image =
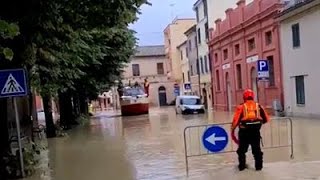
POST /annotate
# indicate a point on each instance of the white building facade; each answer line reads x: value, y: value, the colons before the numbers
x: 300, y: 27
x: 207, y: 11
x: 202, y: 31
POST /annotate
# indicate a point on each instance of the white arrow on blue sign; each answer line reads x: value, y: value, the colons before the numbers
x: 215, y: 139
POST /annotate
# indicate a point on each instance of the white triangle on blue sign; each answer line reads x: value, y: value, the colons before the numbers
x: 11, y: 86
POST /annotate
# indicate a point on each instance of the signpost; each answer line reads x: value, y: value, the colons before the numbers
x: 176, y: 90
x: 263, y: 70
x: 215, y: 139
x: 13, y: 83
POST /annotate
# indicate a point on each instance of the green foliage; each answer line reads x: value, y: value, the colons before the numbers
x: 74, y: 46
x: 31, y: 156
x: 7, y: 31
x: 84, y: 120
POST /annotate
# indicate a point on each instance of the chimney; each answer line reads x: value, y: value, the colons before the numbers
x: 211, y: 31
x: 218, y: 22
x: 228, y: 14
x: 228, y: 11
x: 241, y: 3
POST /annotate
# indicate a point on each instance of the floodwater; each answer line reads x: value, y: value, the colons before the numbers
x: 151, y: 147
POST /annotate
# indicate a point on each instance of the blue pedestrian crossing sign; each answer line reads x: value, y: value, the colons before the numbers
x: 13, y: 83
x: 215, y: 139
x: 187, y: 86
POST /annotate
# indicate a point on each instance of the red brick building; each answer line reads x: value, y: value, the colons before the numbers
x: 248, y: 33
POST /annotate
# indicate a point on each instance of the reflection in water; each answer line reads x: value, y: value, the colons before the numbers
x: 151, y: 147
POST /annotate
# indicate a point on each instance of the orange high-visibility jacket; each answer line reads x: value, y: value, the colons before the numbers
x: 249, y: 111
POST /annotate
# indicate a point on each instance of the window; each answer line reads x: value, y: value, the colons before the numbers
x: 268, y: 37
x: 191, y: 69
x: 207, y: 30
x: 190, y: 45
x: 225, y: 54
x: 199, y: 36
x: 206, y: 64
x: 198, y: 67
x: 181, y: 55
x: 187, y: 52
x: 239, y: 76
x: 189, y: 76
x: 201, y: 64
x: 183, y: 80
x: 160, y: 68
x: 135, y: 70
x: 216, y: 57
x: 271, y: 71
x: 195, y: 42
x: 197, y: 13
x: 251, y: 44
x: 218, y: 80
x: 237, y: 49
x: 300, y: 94
x: 205, y: 8
x: 296, y: 35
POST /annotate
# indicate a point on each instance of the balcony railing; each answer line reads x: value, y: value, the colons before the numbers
x: 292, y: 3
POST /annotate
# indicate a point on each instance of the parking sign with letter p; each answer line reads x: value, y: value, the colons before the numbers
x: 263, y: 70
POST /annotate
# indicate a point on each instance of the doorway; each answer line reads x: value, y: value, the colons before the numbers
x: 162, y: 96
x: 254, y: 85
x: 205, y: 100
x: 229, y: 94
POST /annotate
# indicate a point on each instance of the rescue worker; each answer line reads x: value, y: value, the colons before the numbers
x: 249, y: 117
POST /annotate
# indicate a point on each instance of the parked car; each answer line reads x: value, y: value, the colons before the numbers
x: 189, y: 104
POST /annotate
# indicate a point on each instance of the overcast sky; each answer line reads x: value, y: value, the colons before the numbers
x: 155, y: 18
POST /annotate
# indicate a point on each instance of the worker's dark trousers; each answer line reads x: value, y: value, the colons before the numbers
x: 250, y: 136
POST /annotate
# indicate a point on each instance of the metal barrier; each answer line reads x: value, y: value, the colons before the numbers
x: 277, y: 130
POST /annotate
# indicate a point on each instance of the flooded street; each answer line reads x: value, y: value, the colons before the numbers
x: 151, y: 147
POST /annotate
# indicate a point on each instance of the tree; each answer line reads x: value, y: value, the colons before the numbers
x: 71, y: 48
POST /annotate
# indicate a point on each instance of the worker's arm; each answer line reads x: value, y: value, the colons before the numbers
x: 237, y: 116
x: 264, y: 115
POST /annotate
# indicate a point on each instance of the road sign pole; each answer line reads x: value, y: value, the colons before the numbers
x: 19, y: 138
x: 257, y: 84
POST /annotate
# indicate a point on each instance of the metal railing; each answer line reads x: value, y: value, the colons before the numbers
x: 276, y: 134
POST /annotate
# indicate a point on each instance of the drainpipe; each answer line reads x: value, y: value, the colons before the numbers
x: 198, y: 67
x: 282, y: 100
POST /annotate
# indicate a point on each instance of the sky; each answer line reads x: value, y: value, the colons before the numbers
x: 155, y: 18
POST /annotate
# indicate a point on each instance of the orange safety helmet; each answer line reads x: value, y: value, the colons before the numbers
x: 248, y: 94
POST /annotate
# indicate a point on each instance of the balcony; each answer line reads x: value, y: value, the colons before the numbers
x: 292, y: 3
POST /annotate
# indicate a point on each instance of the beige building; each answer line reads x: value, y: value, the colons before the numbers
x: 299, y: 33
x: 149, y: 63
x: 174, y: 36
x: 184, y: 66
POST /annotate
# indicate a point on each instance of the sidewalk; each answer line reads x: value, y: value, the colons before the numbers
x: 272, y: 171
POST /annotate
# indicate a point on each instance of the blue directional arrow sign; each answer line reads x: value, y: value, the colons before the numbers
x: 13, y: 83
x: 215, y: 139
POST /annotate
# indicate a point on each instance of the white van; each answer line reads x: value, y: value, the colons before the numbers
x: 189, y: 104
